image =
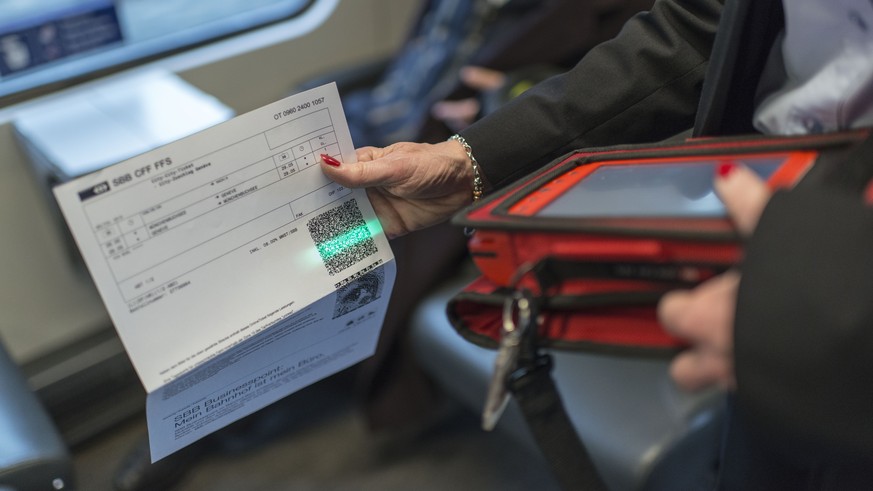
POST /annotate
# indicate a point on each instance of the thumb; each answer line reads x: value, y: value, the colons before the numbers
x: 743, y: 193
x: 370, y: 171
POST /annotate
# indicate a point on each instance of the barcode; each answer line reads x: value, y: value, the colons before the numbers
x: 341, y: 237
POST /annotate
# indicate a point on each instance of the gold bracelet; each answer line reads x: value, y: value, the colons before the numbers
x: 478, y: 184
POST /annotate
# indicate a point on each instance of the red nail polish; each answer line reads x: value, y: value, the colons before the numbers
x: 330, y: 160
x: 725, y: 168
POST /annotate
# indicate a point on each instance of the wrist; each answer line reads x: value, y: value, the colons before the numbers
x: 472, y: 167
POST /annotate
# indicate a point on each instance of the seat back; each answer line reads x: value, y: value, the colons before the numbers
x: 32, y: 454
x: 641, y: 432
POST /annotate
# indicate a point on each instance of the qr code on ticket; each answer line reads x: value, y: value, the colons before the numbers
x: 342, y: 237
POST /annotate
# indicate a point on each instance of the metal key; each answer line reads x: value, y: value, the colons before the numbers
x: 511, y: 335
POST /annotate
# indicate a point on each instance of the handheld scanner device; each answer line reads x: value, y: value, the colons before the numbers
x: 622, y: 208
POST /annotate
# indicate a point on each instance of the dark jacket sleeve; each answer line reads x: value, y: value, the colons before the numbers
x: 804, y: 325
x: 642, y: 86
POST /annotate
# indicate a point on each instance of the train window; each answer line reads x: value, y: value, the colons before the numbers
x: 46, y: 42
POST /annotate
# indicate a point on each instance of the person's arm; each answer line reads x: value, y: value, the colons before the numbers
x: 804, y: 321
x: 642, y: 86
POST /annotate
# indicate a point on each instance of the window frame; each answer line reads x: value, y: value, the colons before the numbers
x: 246, y: 35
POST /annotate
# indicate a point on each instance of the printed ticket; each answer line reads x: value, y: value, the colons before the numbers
x: 234, y: 271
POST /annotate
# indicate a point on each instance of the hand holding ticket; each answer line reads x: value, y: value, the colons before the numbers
x: 235, y: 272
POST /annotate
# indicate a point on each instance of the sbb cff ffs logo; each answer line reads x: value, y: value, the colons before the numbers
x: 95, y: 190
x: 145, y: 170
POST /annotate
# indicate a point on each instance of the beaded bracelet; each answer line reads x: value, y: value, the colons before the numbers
x: 478, y: 184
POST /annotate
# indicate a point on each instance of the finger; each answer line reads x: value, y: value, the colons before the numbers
x: 703, y: 315
x: 696, y: 369
x: 744, y: 195
x: 687, y: 371
x: 480, y: 78
x: 671, y: 306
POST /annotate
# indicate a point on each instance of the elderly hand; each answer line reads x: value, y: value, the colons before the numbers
x: 704, y: 316
x: 411, y: 185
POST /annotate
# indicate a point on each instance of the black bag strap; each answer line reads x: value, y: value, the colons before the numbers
x: 534, y: 390
x: 539, y: 400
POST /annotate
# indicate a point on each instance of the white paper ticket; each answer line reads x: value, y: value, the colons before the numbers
x: 234, y: 270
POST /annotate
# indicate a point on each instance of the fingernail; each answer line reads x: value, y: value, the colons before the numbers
x: 327, y: 159
x: 725, y: 168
